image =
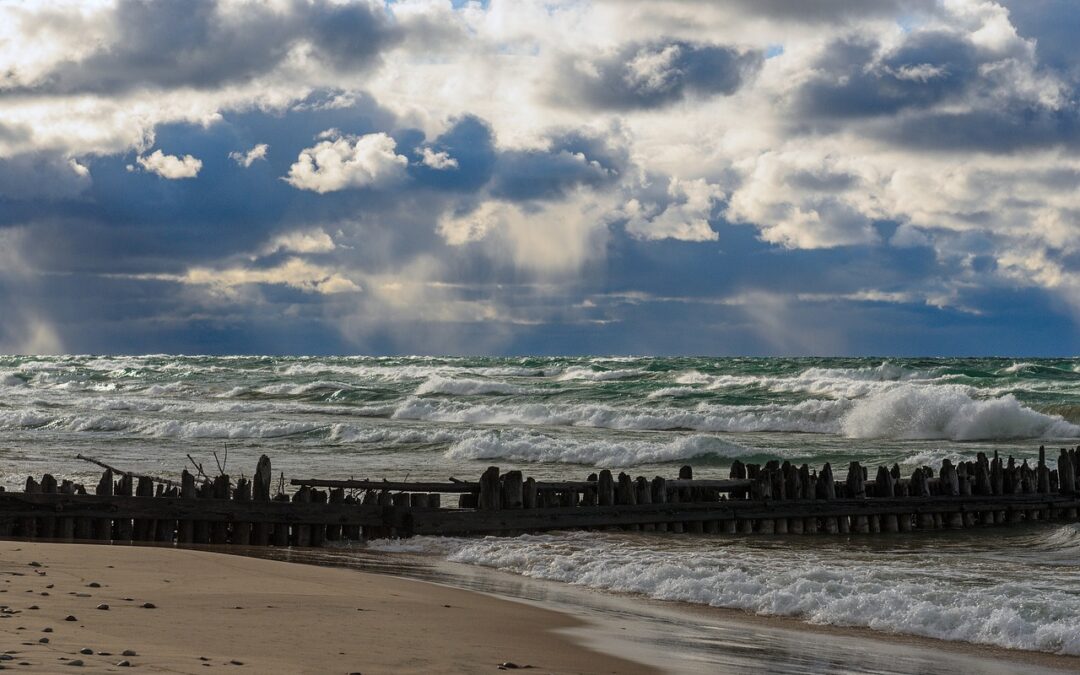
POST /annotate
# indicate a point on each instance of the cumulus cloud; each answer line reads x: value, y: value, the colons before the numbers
x: 246, y: 159
x: 440, y: 161
x: 368, y: 161
x: 682, y: 213
x: 170, y: 166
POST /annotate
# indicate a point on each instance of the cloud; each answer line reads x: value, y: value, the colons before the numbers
x: 246, y: 159
x: 440, y: 161
x: 294, y: 272
x: 200, y: 44
x: 654, y: 74
x: 367, y: 161
x: 310, y: 241
x: 170, y: 166
x: 683, y: 212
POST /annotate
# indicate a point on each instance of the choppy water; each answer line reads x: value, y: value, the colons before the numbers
x: 432, y: 418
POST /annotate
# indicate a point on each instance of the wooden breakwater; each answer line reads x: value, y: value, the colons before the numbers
x: 774, y: 498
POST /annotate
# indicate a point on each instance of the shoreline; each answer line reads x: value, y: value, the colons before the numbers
x: 552, y: 626
x: 612, y: 613
x: 241, y: 612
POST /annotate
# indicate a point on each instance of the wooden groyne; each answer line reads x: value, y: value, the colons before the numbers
x: 774, y: 498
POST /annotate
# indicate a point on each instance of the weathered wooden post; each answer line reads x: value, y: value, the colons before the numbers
x: 185, y: 529
x: 165, y: 528
x: 528, y: 493
x: 318, y: 530
x: 1066, y: 479
x: 260, y: 493
x: 625, y: 496
x: 826, y: 490
x: 659, y: 496
x: 884, y: 487
x: 605, y: 489
x: 125, y: 488
x: 643, y: 495
x: 337, y: 498
x: 241, y: 530
x: 513, y: 486
x: 46, y: 525
x: 490, y: 490
x: 103, y: 526
x: 950, y: 485
x: 856, y: 488
x: 68, y: 527
x: 28, y: 527
x: 302, y: 532
x: 143, y: 528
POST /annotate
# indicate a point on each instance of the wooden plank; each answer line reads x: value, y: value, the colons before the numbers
x: 724, y: 485
x: 19, y: 504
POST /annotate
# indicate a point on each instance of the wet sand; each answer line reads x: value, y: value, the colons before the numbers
x: 213, y: 612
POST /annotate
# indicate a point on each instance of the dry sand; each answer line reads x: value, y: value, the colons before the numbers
x: 214, y: 612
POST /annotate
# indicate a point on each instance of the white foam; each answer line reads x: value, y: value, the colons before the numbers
x: 437, y: 384
x: 985, y: 601
x: 949, y: 412
x: 807, y: 416
x: 533, y: 446
x: 590, y: 375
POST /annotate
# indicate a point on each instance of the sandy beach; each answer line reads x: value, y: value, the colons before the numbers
x: 212, y: 611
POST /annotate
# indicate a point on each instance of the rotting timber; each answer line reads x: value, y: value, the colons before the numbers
x: 774, y: 498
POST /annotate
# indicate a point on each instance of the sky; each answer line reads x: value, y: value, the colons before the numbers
x: 721, y: 177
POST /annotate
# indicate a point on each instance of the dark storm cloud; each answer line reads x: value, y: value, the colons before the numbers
x: 855, y: 81
x: 191, y: 43
x: 573, y: 159
x: 1054, y: 24
x: 654, y: 74
x: 830, y: 10
x: 40, y: 175
x: 470, y: 142
x: 1003, y: 130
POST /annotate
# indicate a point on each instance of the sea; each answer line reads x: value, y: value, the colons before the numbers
x: 425, y: 418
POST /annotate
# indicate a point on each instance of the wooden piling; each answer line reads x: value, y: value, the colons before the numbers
x: 490, y: 490
x: 260, y: 492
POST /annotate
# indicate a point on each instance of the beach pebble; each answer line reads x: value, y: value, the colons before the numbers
x: 49, y: 585
x: 128, y: 652
x: 148, y: 605
x: 74, y: 662
x: 6, y: 657
x: 124, y: 664
x: 93, y: 584
x: 44, y: 641
x: 33, y: 607
x: 129, y: 599
x: 86, y: 650
x: 236, y: 663
x: 44, y: 592
x: 102, y: 606
x: 82, y: 595
x: 70, y: 617
x: 46, y: 630
x: 35, y: 564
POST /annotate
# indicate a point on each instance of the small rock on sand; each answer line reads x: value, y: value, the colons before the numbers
x: 128, y: 652
x: 148, y: 605
x: 74, y: 662
x: 70, y: 617
x: 44, y: 641
x: 124, y: 664
x: 35, y: 563
x: 93, y: 584
x: 46, y: 630
x: 102, y: 606
x: 86, y: 650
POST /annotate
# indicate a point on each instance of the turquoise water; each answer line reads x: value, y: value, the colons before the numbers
x: 431, y: 418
